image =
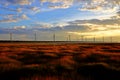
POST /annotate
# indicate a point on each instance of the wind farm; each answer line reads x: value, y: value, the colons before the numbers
x: 59, y: 60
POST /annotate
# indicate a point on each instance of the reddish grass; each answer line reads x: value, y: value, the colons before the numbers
x: 59, y: 61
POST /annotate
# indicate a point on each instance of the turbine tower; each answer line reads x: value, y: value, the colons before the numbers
x: 94, y: 39
x: 69, y: 37
x: 54, y: 37
x: 35, y: 35
x: 11, y: 36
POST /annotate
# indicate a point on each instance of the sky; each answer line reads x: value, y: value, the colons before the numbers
x: 88, y: 18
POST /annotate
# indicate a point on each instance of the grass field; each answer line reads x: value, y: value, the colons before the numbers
x: 59, y: 61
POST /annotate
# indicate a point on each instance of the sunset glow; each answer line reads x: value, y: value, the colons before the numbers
x: 23, y: 18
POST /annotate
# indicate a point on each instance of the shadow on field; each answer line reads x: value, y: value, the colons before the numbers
x: 98, y: 71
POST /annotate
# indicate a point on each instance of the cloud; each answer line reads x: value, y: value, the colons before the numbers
x: 63, y: 6
x: 57, y: 1
x: 19, y: 9
x: 20, y: 2
x: 62, y: 24
x: 41, y: 25
x: 37, y: 9
x: 19, y: 27
x: 10, y: 9
x: 99, y: 25
x: 90, y: 5
x: 23, y: 6
x: 16, y: 30
x: 57, y: 27
x: 32, y: 9
x: 56, y: 4
x: 98, y: 34
x: 52, y: 1
x: 118, y: 13
x: 13, y: 18
x: 8, y: 20
x: 24, y: 17
x: 114, y: 1
x: 117, y: 16
x: 97, y: 21
x: 80, y: 25
x: 93, y: 25
x: 100, y: 9
x: 104, y: 6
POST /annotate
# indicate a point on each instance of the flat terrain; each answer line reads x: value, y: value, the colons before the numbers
x: 59, y: 61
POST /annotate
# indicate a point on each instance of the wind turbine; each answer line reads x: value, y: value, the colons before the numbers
x: 11, y: 36
x: 54, y: 37
x: 82, y: 38
x: 103, y: 37
x: 10, y: 33
x: 94, y: 39
x: 35, y: 35
x: 69, y: 37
